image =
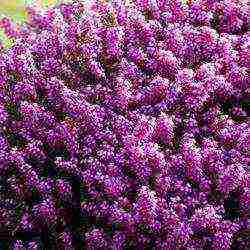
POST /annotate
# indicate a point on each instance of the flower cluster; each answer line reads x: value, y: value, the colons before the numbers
x: 125, y: 125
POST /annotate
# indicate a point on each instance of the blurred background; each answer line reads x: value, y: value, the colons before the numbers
x: 16, y: 10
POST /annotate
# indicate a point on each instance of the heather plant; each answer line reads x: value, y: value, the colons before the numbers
x: 124, y: 125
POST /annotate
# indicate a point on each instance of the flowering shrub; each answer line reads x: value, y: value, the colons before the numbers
x: 124, y: 126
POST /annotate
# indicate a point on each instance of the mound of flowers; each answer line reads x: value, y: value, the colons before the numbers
x: 125, y: 126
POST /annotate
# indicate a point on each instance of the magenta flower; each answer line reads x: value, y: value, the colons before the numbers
x: 124, y: 125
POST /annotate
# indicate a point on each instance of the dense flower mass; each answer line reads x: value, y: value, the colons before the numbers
x: 124, y: 125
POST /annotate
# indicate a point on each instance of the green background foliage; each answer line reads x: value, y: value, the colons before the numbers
x: 16, y: 10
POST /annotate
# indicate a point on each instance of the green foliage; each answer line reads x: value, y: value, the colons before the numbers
x: 16, y: 11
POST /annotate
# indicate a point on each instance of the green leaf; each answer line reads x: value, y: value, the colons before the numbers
x: 7, y: 42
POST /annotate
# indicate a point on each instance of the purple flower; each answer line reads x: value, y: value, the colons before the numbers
x: 123, y: 125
